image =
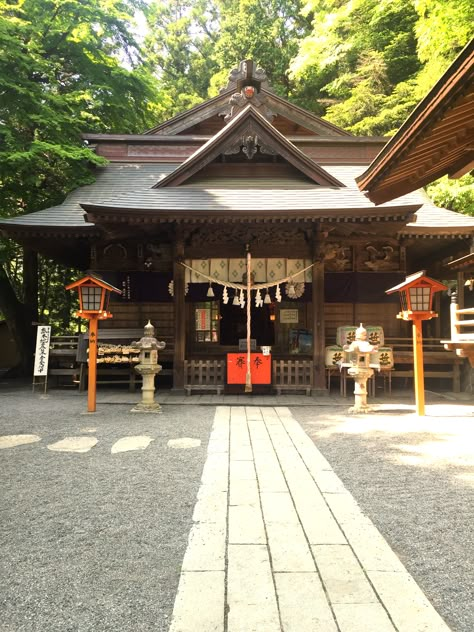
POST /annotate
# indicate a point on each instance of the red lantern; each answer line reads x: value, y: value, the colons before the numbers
x: 94, y: 295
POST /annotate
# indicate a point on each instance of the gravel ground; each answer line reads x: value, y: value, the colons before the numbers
x: 94, y: 541
x: 415, y: 479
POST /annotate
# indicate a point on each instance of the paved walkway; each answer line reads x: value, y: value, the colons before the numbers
x: 279, y: 544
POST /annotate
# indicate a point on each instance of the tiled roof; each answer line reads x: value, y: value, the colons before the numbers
x: 251, y: 199
x: 129, y: 186
x: 114, y: 179
x: 212, y: 195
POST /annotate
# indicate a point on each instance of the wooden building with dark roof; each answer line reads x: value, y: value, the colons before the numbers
x: 244, y: 171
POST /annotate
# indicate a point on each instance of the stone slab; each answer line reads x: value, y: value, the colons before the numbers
x: 251, y: 597
x: 288, y: 548
x: 206, y: 548
x: 199, y: 603
x: 408, y: 607
x: 367, y: 617
x: 303, y: 604
x: 342, y: 575
x: 246, y: 525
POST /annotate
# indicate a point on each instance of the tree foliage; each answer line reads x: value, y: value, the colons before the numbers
x: 192, y: 45
x: 62, y: 72
x: 66, y: 66
x: 369, y: 62
x: 457, y: 195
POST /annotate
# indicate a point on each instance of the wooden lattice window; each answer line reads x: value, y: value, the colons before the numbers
x: 206, y: 321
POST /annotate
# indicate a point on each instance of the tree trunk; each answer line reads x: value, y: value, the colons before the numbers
x: 18, y: 319
x: 30, y: 282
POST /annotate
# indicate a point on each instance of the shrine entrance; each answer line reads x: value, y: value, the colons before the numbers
x: 233, y: 325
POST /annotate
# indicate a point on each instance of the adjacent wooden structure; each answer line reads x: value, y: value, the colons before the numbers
x: 436, y: 139
x: 246, y: 167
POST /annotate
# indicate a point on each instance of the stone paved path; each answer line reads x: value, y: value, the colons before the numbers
x: 279, y: 544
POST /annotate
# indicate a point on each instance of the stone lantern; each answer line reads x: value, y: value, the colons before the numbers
x: 359, y: 356
x: 148, y: 367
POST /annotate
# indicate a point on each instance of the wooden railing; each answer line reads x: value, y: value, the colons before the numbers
x: 457, y: 323
x: 293, y: 375
x: 204, y: 375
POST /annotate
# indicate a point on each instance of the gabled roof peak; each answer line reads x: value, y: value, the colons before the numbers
x: 249, y: 133
x: 248, y: 83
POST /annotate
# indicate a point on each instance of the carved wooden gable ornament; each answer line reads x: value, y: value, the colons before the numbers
x: 250, y: 133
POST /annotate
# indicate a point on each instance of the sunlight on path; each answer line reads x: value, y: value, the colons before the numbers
x: 442, y: 438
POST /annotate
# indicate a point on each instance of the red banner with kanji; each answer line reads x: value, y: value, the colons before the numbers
x: 260, y: 368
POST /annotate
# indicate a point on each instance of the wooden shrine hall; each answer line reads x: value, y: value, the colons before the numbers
x: 246, y: 178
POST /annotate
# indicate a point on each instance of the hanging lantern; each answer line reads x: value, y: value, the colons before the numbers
x: 210, y: 291
x: 225, y: 295
x: 267, y: 299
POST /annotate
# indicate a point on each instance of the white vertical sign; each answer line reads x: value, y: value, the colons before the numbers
x: 43, y: 337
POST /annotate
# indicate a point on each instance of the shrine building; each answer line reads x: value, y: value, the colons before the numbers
x: 247, y: 178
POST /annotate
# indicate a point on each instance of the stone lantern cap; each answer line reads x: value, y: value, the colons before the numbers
x: 149, y: 341
x: 361, y: 344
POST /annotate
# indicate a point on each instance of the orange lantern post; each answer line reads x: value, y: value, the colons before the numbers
x: 416, y: 298
x: 94, y: 297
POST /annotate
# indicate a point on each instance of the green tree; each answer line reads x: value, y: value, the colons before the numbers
x: 192, y: 45
x: 179, y: 49
x: 356, y: 55
x: 443, y: 28
x: 456, y: 195
x: 66, y: 66
x: 266, y: 31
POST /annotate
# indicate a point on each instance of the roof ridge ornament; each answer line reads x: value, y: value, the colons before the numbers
x: 247, y: 73
x: 247, y: 80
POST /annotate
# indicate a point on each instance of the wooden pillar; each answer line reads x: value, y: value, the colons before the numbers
x: 92, y: 370
x: 179, y: 314
x: 319, y: 329
x: 437, y: 309
x: 418, y: 367
x: 461, y: 289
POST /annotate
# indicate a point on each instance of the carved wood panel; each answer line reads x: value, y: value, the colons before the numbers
x: 378, y: 256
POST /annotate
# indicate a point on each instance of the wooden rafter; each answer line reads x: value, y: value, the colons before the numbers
x: 436, y: 139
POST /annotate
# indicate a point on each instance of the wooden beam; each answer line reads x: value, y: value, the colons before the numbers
x: 319, y: 328
x: 179, y: 352
x: 464, y: 165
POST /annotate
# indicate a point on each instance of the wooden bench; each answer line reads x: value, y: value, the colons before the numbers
x: 437, y: 363
x: 204, y: 375
x: 293, y: 375
x: 120, y: 374
x: 63, y: 358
